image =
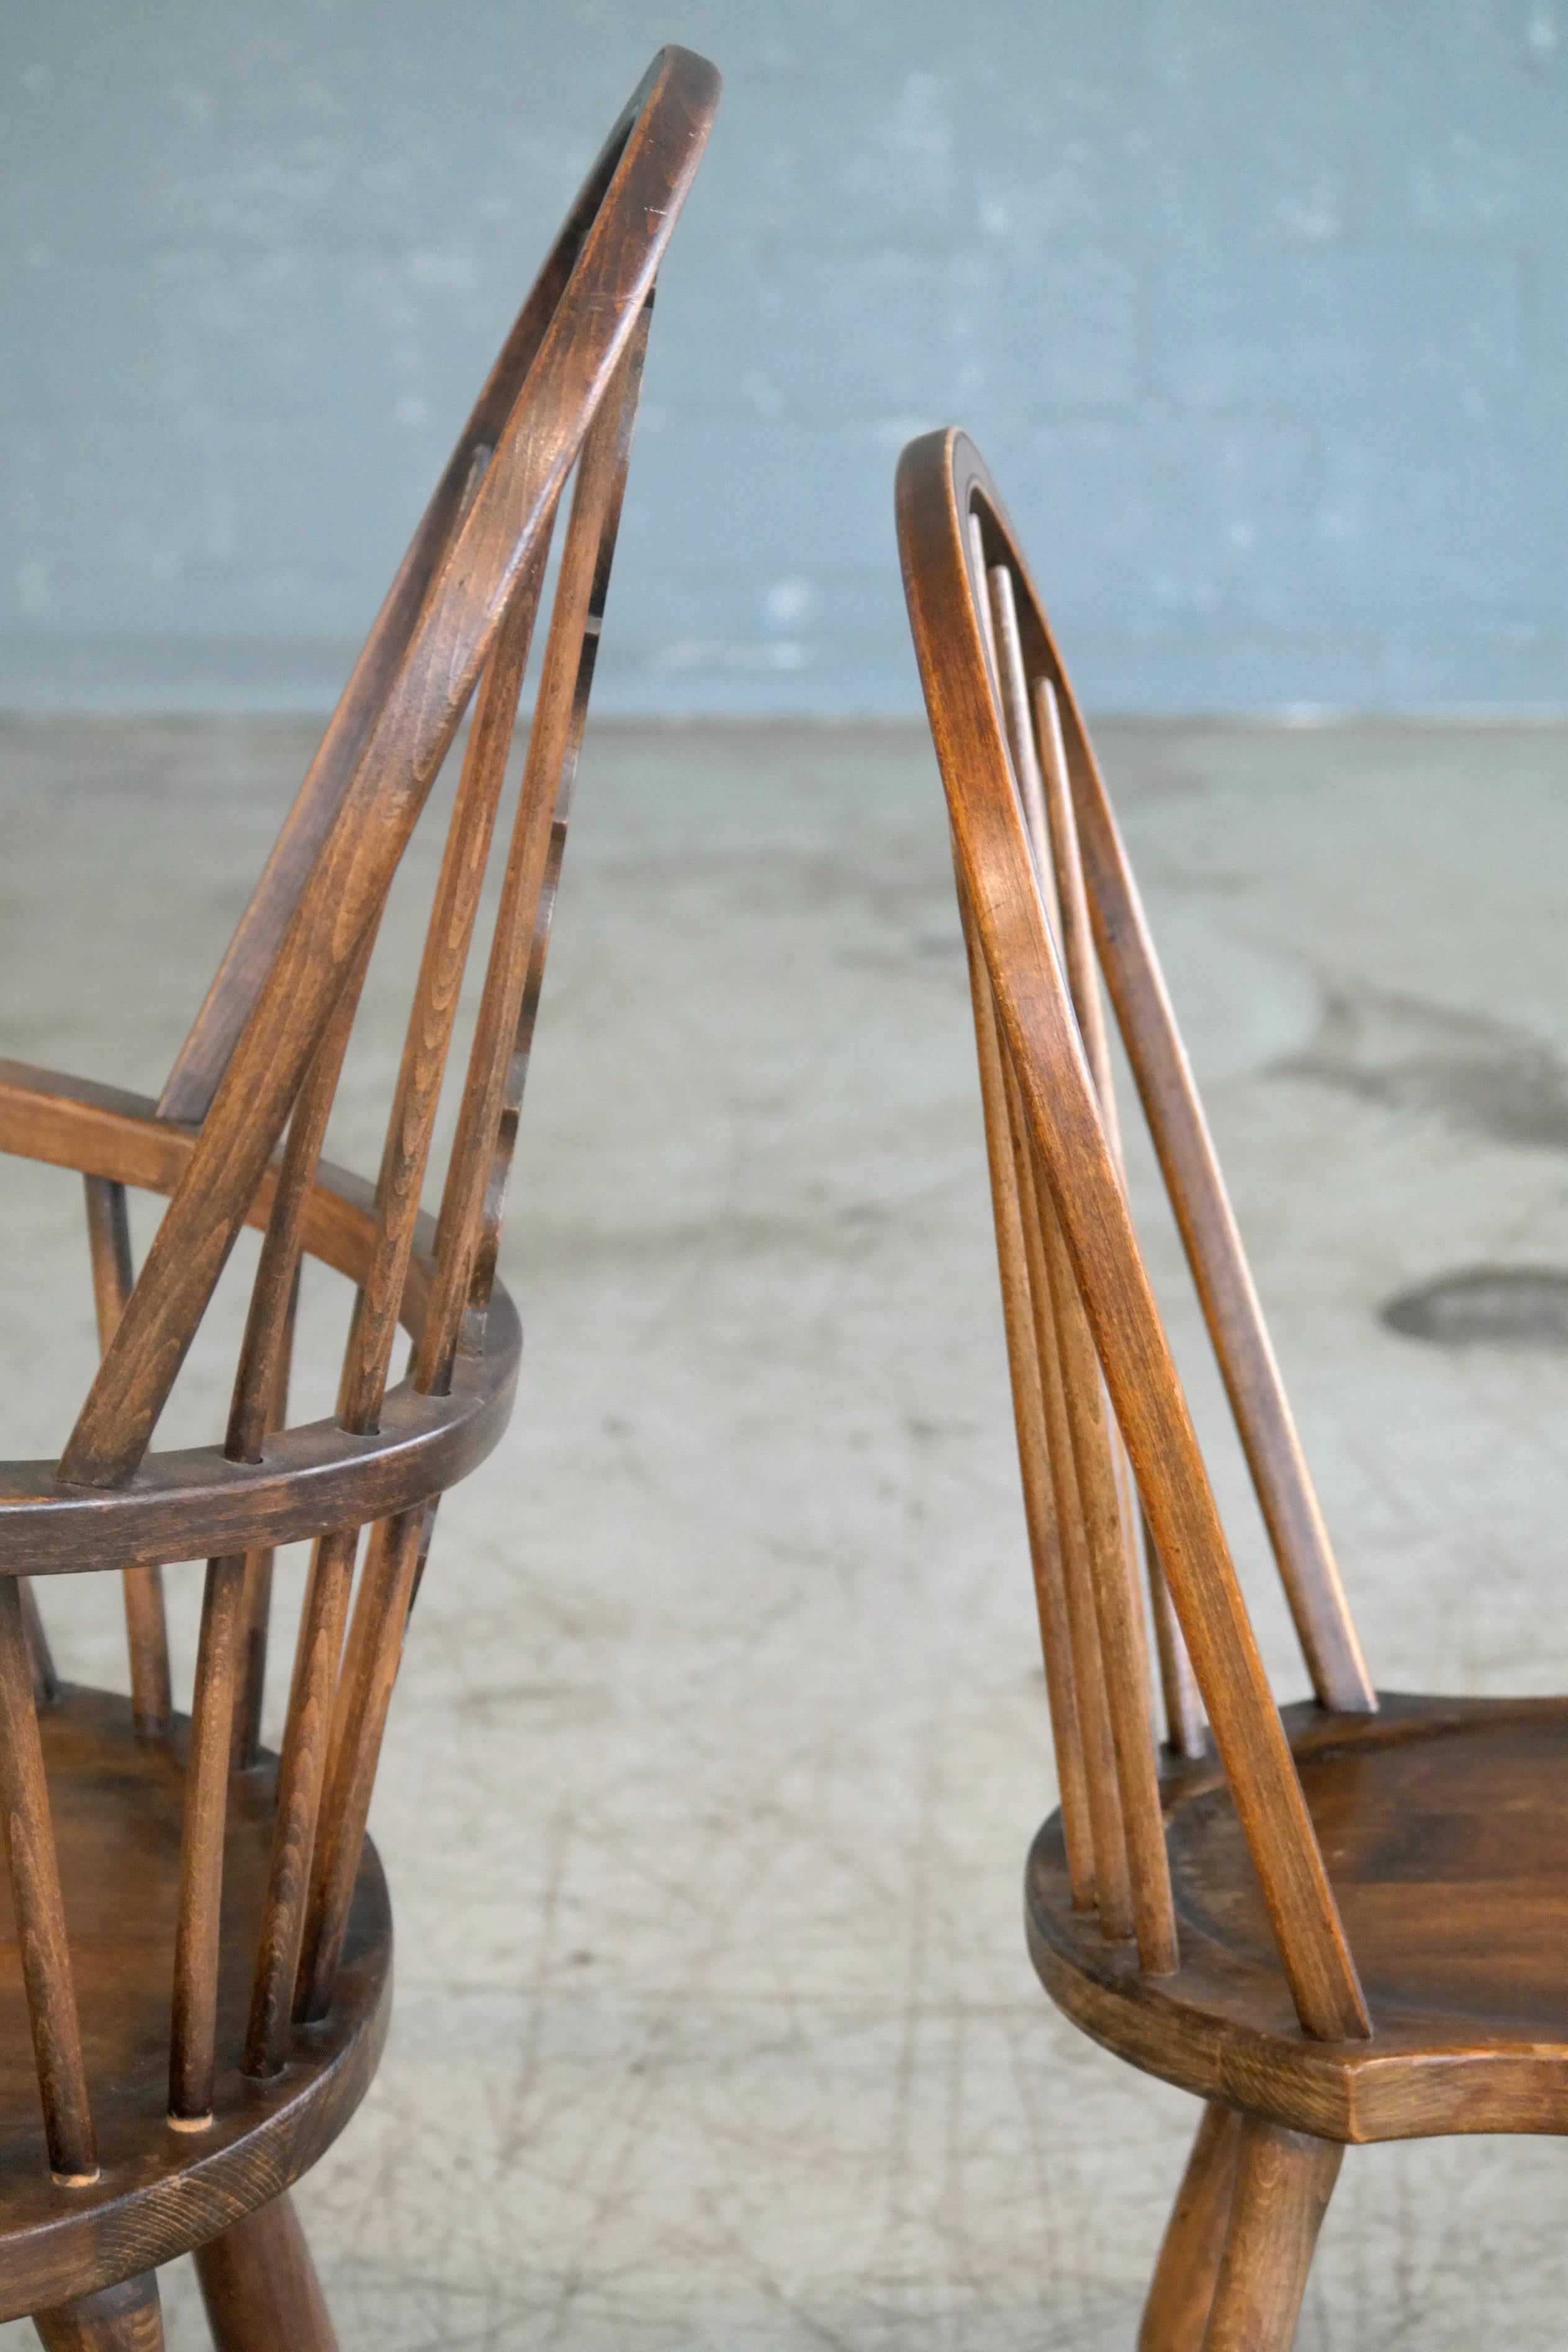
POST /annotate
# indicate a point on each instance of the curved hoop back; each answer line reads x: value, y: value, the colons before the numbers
x: 476, y: 561
x: 1046, y: 894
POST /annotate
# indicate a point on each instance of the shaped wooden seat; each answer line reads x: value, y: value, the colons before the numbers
x: 1344, y: 1923
x: 117, y: 1809
x: 1438, y: 1818
x: 195, y: 1945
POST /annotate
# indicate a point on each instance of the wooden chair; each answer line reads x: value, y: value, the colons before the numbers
x: 194, y: 1960
x: 1339, y: 1923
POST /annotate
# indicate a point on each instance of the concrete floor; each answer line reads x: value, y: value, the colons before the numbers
x: 721, y: 1735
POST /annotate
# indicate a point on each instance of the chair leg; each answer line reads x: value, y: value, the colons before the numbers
x: 1283, y: 2183
x: 260, y: 2287
x: 1177, y: 2310
x: 124, y: 2318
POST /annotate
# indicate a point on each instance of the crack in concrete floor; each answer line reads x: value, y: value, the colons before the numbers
x: 721, y: 1737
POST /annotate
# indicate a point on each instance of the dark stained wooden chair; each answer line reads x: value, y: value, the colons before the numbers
x: 1341, y: 1922
x: 196, y: 1948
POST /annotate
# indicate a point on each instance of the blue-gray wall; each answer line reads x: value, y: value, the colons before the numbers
x: 1259, y: 312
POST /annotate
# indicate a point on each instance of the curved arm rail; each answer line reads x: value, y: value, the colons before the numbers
x: 195, y: 1503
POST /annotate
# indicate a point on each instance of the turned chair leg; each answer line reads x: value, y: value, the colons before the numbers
x: 1181, y: 2290
x: 260, y: 2287
x: 1283, y: 2183
x: 124, y: 2318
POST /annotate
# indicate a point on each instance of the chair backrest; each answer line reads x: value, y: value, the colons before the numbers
x: 1048, y: 906
x: 238, y: 1137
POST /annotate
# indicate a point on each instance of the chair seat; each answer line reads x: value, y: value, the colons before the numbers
x: 116, y: 1803
x: 1444, y: 1826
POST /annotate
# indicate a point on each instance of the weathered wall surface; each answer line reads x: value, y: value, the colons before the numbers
x: 1261, y: 315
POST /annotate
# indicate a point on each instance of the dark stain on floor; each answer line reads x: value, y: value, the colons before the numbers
x: 1485, y: 1306
x: 1481, y: 1076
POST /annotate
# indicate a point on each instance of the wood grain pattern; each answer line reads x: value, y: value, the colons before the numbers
x: 260, y: 2288
x: 1281, y: 2191
x: 1181, y: 2293
x: 1472, y: 2032
x: 124, y: 2318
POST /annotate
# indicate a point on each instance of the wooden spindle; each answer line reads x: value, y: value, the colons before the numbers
x: 230, y: 1607
x: 1061, y: 881
x: 146, y: 1615
x: 1103, y: 1477
x: 1001, y: 616
x: 1113, y: 1892
x: 448, y: 937
x: 605, y: 482
x: 1046, y: 1053
x: 261, y: 1377
x: 940, y: 487
x: 40, y: 1909
x: 1183, y: 1711
x: 1029, y: 1415
x: 1186, y: 1730
x: 250, y: 1696
x: 1034, y: 742
x: 147, y: 1640
x: 108, y: 1247
x: 301, y: 1775
x: 1210, y: 1237
x: 40, y: 1657
x: 1117, y: 1604
x: 305, y: 1762
x: 981, y: 593
x: 192, y: 2029
x: 475, y: 1175
x: 370, y: 1670
x: 257, y: 1606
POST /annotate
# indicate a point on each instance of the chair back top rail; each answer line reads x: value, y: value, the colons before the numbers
x: 943, y: 485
